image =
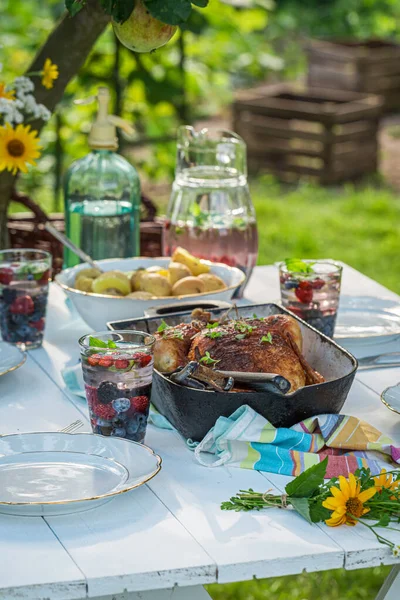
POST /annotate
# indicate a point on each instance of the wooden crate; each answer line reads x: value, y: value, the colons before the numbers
x: 294, y: 131
x: 371, y: 66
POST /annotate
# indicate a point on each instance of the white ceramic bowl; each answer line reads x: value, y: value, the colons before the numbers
x: 98, y: 309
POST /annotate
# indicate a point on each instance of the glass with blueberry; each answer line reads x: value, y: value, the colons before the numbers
x: 117, y: 371
x: 311, y: 290
x: 24, y: 285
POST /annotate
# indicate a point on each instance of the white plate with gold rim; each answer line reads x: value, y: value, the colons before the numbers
x: 59, y: 473
x: 11, y: 358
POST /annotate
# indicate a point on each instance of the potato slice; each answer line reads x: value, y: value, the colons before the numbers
x: 188, y: 285
x: 195, y: 265
x: 135, y: 279
x: 90, y: 273
x: 212, y: 282
x: 178, y: 271
x: 111, y: 282
x: 84, y: 284
x: 155, y: 284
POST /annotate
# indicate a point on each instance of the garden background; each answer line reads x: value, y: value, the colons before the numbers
x: 232, y: 44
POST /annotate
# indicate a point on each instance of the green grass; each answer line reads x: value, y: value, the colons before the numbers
x: 359, y: 225
x: 329, y: 585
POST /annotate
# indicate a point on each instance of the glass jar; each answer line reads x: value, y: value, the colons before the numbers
x: 210, y: 212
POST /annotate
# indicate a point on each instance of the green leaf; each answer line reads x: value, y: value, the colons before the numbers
x: 120, y: 9
x: 302, y: 506
x: 240, y: 336
x: 178, y: 334
x: 215, y: 334
x: 305, y: 484
x: 172, y: 12
x: 318, y: 512
x: 384, y: 520
x: 163, y: 326
x: 296, y: 265
x: 74, y: 6
x: 266, y: 339
x: 200, y: 3
x: 212, y: 325
x: 207, y: 360
x: 111, y: 344
x: 97, y: 343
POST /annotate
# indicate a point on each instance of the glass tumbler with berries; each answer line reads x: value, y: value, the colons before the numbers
x: 311, y: 290
x: 24, y: 285
x: 117, y: 371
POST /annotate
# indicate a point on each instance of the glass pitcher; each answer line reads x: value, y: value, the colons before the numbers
x: 210, y: 212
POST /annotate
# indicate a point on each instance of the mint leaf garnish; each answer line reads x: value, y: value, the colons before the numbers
x: 207, y: 360
x: 163, y: 326
x: 240, y: 336
x: 212, y: 325
x: 178, y: 335
x: 296, y: 265
x: 266, y: 339
x: 97, y: 343
x: 111, y: 344
x: 215, y: 334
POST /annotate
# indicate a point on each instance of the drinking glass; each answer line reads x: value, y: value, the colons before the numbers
x: 313, y: 292
x: 210, y: 212
x: 117, y: 371
x: 24, y: 285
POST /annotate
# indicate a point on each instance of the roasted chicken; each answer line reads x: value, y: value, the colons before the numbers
x: 269, y: 345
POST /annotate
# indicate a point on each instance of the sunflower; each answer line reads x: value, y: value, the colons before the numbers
x: 49, y: 73
x: 8, y: 95
x: 347, y: 502
x: 18, y: 148
x: 386, y: 481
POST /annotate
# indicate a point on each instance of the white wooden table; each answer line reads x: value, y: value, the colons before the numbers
x: 160, y: 539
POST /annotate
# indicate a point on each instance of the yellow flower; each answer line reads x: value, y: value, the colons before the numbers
x: 9, y: 95
x: 386, y: 481
x: 347, y: 502
x: 18, y: 148
x: 49, y: 73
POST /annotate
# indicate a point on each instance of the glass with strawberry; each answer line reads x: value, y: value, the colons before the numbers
x: 117, y: 371
x: 24, y: 285
x: 311, y: 290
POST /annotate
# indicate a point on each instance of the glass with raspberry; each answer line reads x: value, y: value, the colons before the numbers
x: 24, y: 284
x: 117, y: 371
x: 311, y: 290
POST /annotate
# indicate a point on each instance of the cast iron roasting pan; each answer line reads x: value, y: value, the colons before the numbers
x: 193, y: 412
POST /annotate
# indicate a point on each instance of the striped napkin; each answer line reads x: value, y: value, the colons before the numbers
x: 249, y: 441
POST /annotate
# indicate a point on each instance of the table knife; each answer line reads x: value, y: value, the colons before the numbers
x: 379, y: 361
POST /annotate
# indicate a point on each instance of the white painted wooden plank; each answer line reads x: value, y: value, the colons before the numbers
x: 34, y: 565
x: 244, y: 545
x: 30, y: 401
x: 133, y: 544
x: 176, y: 593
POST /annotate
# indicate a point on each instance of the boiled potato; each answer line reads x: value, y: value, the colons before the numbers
x: 212, y: 282
x: 90, y: 273
x: 188, y: 285
x: 135, y: 279
x: 178, y: 271
x: 84, y: 284
x: 195, y: 265
x: 155, y: 284
x: 111, y: 283
x: 154, y: 269
x: 140, y: 295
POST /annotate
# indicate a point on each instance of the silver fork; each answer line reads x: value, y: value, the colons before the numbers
x: 72, y: 427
